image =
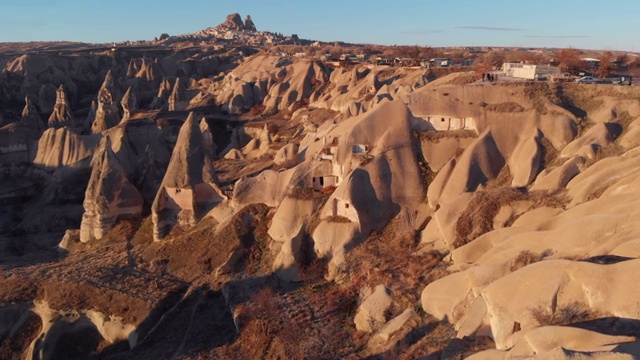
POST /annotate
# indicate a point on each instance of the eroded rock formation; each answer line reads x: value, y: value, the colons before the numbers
x: 189, y: 187
x: 62, y: 115
x: 30, y: 117
x: 129, y: 104
x: 109, y: 195
x: 107, y: 113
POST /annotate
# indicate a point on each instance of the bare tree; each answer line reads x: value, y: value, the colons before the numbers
x: 606, y: 66
x: 623, y: 60
x: 488, y: 61
x: 570, y: 60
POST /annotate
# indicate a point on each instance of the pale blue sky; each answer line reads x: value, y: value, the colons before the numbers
x: 594, y: 24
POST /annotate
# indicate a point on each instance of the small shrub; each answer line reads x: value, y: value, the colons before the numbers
x: 338, y: 219
x: 436, y: 136
x: 569, y: 314
x: 328, y: 190
x: 505, y: 107
x: 527, y: 257
x: 263, y: 304
x: 305, y: 193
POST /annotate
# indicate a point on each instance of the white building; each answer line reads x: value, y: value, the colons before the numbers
x: 531, y: 72
x: 591, y: 62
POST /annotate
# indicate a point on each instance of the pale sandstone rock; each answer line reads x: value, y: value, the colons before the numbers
x: 558, y: 177
x: 107, y: 114
x: 526, y: 161
x: 62, y: 147
x: 287, y: 153
x: 371, y: 312
x: 70, y: 237
x: 406, y: 320
x: 598, y: 136
x: 288, y: 227
x: 177, y: 97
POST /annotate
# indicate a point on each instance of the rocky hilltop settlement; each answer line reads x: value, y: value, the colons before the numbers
x: 235, y: 30
x: 234, y: 203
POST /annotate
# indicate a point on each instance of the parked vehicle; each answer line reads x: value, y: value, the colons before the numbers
x: 624, y: 80
x: 559, y: 78
x: 587, y: 80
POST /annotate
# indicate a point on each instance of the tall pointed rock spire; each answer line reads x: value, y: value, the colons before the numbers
x: 109, y: 195
x: 61, y: 115
x: 30, y: 117
x: 129, y: 104
x: 189, y: 186
x: 107, y: 115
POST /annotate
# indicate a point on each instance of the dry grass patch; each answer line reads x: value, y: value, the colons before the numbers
x: 540, y: 94
x: 527, y: 257
x: 505, y: 107
x: 306, y: 193
x: 477, y: 218
x: 390, y: 257
x: 338, y: 219
x: 436, y: 136
x: 549, y: 153
x: 589, y: 97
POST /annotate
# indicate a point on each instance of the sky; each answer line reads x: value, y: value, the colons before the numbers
x: 585, y: 24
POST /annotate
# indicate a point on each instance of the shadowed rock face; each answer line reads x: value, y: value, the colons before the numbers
x: 164, y: 91
x: 30, y: 117
x: 58, y: 148
x: 233, y: 22
x: 249, y: 25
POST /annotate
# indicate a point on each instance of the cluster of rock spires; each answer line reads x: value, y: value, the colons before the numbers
x: 514, y: 197
x: 234, y: 22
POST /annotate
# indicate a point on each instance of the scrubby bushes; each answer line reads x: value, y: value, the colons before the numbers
x: 477, y: 219
x: 527, y: 257
x: 565, y: 315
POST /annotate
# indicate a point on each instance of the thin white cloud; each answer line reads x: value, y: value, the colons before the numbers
x: 489, y: 28
x: 422, y: 31
x: 558, y: 36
